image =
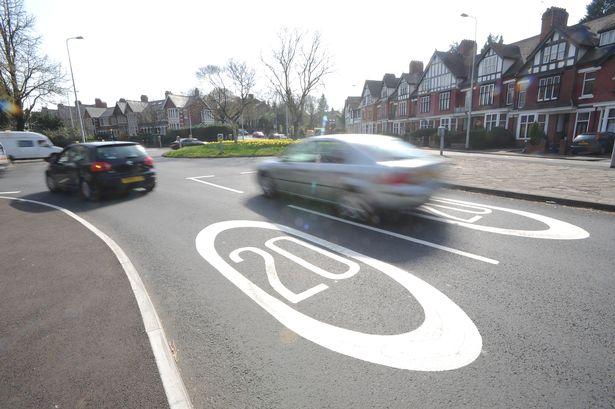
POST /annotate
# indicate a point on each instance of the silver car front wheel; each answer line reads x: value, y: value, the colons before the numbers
x: 267, y: 185
x: 353, y: 206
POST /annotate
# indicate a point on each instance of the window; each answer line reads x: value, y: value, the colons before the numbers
x: 331, y: 152
x: 301, y: 152
x: 25, y: 144
x: 582, y: 123
x: 556, y: 53
x: 548, y: 88
x: 173, y: 113
x: 426, y: 123
x: 589, y: 80
x: 486, y: 94
x: 491, y: 121
x: 402, y: 108
x: 610, y: 121
x: 607, y: 37
x: 524, y: 125
x: 404, y: 89
x: 425, y: 104
x: 510, y: 93
x: 445, y: 101
x: 449, y: 123
x: 396, y: 128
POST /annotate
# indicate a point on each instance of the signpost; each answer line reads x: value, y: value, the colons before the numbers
x: 441, y: 132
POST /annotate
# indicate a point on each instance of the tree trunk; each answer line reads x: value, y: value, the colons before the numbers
x: 19, y: 118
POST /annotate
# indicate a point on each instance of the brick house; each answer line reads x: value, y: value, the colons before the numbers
x: 183, y: 111
x: 561, y: 78
x: 352, y: 115
x: 369, y: 97
x: 400, y: 102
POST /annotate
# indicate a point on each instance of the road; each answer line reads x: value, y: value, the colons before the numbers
x: 477, y: 301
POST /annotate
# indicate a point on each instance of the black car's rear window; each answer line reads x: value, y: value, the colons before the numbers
x: 119, y: 152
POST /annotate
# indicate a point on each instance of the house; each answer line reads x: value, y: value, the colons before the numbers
x: 184, y: 111
x: 561, y: 78
x: 401, y: 108
x: 352, y: 115
x: 153, y: 118
x: 91, y: 119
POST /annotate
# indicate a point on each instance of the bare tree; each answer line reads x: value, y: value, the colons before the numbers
x: 295, y: 68
x: 26, y: 76
x: 231, y: 89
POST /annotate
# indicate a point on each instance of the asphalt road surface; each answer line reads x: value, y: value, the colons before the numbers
x: 476, y: 301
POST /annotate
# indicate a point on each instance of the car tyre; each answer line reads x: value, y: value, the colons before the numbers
x: 352, y: 205
x: 150, y: 187
x: 267, y: 185
x: 51, y: 184
x: 89, y: 192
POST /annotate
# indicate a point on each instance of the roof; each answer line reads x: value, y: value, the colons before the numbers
x: 108, y: 112
x: 179, y: 101
x: 94, y: 112
x: 600, y: 24
x: 374, y: 86
x: 137, y: 106
x: 506, y: 50
x: 411, y: 78
x: 597, y: 55
x: 390, y: 80
x: 122, y: 106
x: 454, y: 62
x: 352, y: 102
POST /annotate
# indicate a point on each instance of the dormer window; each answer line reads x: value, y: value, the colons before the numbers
x: 403, y: 90
x: 556, y: 53
x: 608, y: 37
x: 490, y: 67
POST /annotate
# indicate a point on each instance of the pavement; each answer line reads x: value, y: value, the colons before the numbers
x: 71, y: 335
x: 574, y: 183
x: 497, y: 302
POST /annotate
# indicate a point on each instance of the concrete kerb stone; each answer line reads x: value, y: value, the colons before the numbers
x: 609, y: 207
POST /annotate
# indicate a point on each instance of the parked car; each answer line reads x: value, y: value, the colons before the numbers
x: 593, y: 142
x: 258, y: 134
x: 27, y: 145
x: 4, y: 160
x: 186, y: 142
x: 361, y: 174
x: 99, y: 167
x: 278, y: 136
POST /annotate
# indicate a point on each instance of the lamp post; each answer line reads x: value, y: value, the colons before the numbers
x: 471, y: 80
x: 70, y: 64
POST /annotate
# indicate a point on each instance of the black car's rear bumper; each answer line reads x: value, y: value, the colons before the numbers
x: 119, y: 182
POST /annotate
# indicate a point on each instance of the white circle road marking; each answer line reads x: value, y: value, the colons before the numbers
x: 557, y: 229
x: 447, y: 339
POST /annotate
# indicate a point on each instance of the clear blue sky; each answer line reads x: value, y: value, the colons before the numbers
x: 135, y: 47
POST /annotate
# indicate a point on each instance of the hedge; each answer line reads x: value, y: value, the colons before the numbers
x: 205, y: 133
x: 479, y: 138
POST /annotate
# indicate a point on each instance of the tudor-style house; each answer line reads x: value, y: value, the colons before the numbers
x: 562, y: 78
x: 401, y: 108
x: 352, y: 115
x: 185, y: 110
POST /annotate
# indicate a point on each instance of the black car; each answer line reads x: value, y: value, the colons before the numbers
x: 98, y: 167
x: 593, y: 142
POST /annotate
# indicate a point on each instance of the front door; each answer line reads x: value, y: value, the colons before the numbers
x: 65, y: 170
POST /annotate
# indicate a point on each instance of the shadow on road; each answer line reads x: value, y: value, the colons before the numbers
x: 366, y: 241
x: 72, y: 201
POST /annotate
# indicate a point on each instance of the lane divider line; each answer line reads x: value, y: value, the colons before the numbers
x: 10, y: 193
x: 230, y: 189
x: 401, y: 236
x: 173, y: 385
x: 248, y: 172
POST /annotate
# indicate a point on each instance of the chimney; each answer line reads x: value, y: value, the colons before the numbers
x: 553, y: 17
x: 99, y: 104
x: 467, y: 47
x: 144, y: 98
x: 196, y: 92
x: 167, y: 93
x: 416, y: 67
x: 122, y: 99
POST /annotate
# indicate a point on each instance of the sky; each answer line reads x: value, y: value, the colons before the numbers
x: 134, y: 47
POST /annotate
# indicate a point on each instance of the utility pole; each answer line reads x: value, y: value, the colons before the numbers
x: 471, y: 80
x: 74, y: 87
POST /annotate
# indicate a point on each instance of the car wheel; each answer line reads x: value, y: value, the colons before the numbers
x: 51, y: 184
x: 267, y: 185
x: 150, y: 187
x: 89, y: 192
x: 353, y: 206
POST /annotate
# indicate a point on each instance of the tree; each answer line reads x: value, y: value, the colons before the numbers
x: 453, y: 47
x: 310, y: 109
x: 231, y: 89
x: 598, y: 8
x: 42, y: 122
x: 296, y: 67
x: 26, y: 76
x: 322, y: 108
x: 492, y: 39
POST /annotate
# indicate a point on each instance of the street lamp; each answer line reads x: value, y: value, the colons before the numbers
x: 471, y: 80
x: 75, y: 88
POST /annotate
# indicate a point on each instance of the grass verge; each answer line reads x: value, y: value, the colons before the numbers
x: 229, y: 149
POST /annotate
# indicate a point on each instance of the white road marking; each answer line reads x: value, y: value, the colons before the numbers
x: 197, y: 179
x: 430, y: 209
x: 172, y: 382
x: 248, y: 172
x: 446, y: 340
x: 10, y: 193
x: 557, y: 229
x: 201, y: 177
x: 401, y: 236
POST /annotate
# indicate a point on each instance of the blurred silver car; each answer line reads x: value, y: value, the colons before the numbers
x: 360, y: 174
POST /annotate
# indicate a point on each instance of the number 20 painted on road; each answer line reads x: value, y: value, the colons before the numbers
x: 447, y: 339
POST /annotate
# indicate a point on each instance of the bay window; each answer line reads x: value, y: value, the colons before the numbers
x: 445, y: 101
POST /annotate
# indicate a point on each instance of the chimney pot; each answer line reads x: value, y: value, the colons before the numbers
x: 416, y: 67
x: 467, y: 47
x: 144, y: 98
